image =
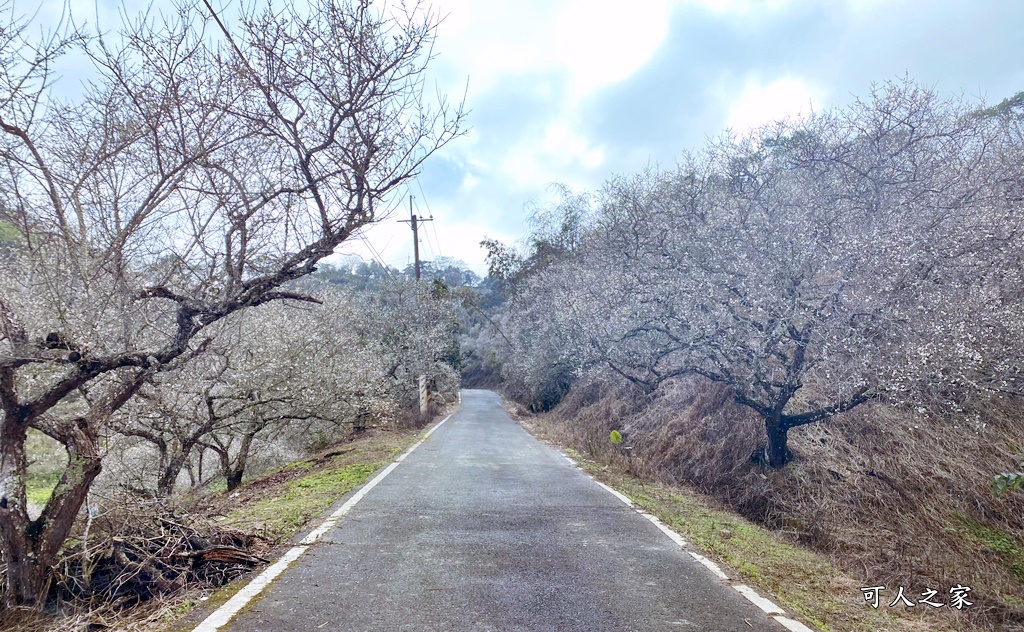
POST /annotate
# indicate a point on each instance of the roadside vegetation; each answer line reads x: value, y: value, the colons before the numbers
x: 250, y: 523
x: 800, y: 580
x: 168, y: 188
x: 217, y: 461
x: 817, y: 325
x: 278, y: 504
x: 808, y: 538
x: 184, y: 501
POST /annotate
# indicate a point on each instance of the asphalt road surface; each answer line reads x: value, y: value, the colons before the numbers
x: 485, y: 528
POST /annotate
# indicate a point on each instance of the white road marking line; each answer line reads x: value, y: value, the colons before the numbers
x: 790, y: 624
x: 431, y: 431
x: 615, y: 493
x: 223, y: 615
x: 758, y: 600
x: 678, y: 539
x: 764, y: 604
x: 708, y: 564
x: 333, y: 519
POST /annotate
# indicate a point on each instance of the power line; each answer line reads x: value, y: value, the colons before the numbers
x: 376, y: 255
x: 433, y: 227
x: 387, y: 243
x: 423, y: 196
x: 430, y: 246
x: 437, y: 240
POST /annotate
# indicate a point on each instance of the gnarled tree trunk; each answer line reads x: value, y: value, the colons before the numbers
x: 31, y: 546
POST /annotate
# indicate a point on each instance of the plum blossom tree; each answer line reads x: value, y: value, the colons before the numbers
x: 412, y: 328
x: 309, y: 369
x: 527, y: 339
x: 202, y: 168
x: 811, y: 266
x: 273, y: 369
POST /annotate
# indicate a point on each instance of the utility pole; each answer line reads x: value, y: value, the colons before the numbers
x: 415, y: 235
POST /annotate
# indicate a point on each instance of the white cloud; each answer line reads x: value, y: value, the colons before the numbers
x: 521, y: 165
x: 762, y: 103
x: 559, y: 154
x: 567, y: 147
x: 743, y: 7
x: 469, y: 182
x: 603, y: 43
x: 592, y: 43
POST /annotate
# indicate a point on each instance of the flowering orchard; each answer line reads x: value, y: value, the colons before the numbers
x: 206, y: 164
x: 285, y: 372
x: 873, y: 252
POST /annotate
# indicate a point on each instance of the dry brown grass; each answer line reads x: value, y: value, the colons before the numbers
x: 895, y: 497
x: 140, y: 619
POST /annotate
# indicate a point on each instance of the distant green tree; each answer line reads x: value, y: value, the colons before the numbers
x: 556, y: 232
x: 453, y: 272
x: 535, y: 358
x: 356, y: 275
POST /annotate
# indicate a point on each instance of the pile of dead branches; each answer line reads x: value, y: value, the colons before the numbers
x: 138, y: 553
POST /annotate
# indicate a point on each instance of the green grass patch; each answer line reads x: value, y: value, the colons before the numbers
x: 282, y: 514
x: 800, y: 580
x: 278, y: 504
x: 303, y: 466
x: 47, y: 460
x: 39, y: 486
x: 994, y: 542
x: 9, y: 233
x: 179, y: 610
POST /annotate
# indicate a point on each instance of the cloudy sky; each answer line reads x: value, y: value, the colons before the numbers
x: 575, y: 91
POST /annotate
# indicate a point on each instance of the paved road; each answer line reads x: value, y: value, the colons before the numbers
x: 485, y: 528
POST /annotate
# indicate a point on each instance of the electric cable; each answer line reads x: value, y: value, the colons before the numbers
x: 433, y: 226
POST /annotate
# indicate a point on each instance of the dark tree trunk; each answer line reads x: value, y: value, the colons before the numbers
x: 174, y: 462
x: 778, y: 434
x: 31, y: 546
x: 233, y: 478
x: 22, y: 589
x: 169, y: 475
x: 225, y: 460
x: 233, y: 473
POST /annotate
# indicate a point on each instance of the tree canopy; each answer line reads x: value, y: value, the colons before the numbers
x: 872, y: 252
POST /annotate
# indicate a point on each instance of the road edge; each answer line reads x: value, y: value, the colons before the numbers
x: 768, y: 606
x: 255, y: 587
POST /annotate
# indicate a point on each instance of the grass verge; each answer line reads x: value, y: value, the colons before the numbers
x: 801, y: 581
x: 280, y: 515
x: 994, y: 542
x: 279, y: 504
